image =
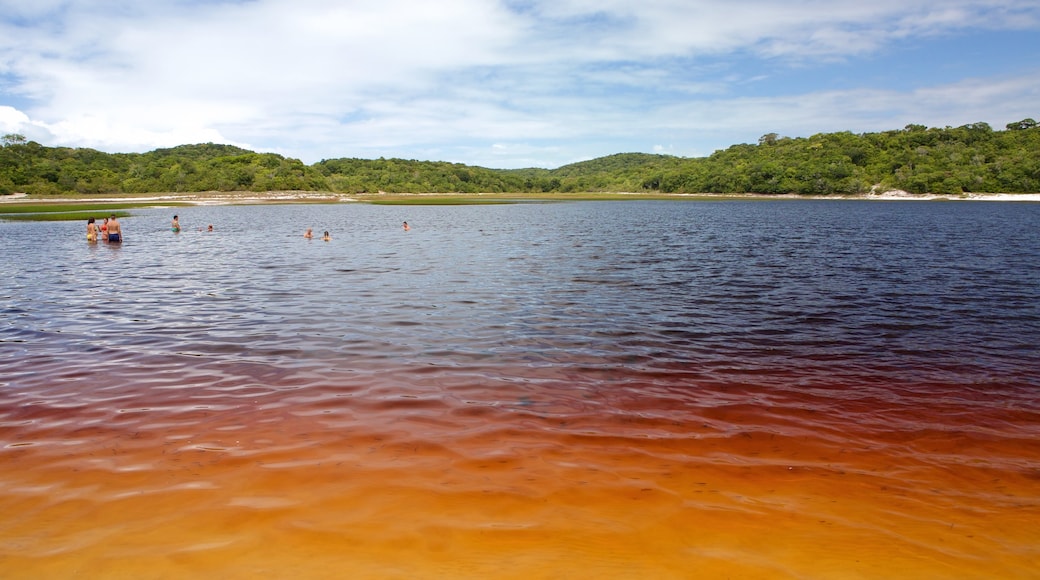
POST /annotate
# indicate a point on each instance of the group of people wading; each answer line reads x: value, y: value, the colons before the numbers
x: 111, y: 231
x: 108, y: 231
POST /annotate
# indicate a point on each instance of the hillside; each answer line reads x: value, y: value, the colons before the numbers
x: 917, y: 159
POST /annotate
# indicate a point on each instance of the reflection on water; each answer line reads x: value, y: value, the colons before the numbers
x: 629, y: 389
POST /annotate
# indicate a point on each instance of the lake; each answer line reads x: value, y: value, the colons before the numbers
x: 631, y: 389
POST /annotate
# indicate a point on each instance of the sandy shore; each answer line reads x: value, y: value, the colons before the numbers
x: 252, y: 197
x: 896, y: 195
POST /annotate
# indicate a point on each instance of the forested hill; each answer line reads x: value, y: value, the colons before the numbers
x: 918, y: 159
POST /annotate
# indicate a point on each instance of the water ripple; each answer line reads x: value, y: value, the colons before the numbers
x: 658, y: 387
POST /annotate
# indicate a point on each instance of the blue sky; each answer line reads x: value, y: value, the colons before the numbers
x: 506, y: 83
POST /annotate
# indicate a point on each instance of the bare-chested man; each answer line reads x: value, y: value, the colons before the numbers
x: 115, y: 232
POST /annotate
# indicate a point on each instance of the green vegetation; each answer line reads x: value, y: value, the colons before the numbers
x: 70, y: 211
x: 100, y: 209
x: 437, y: 200
x: 58, y: 216
x: 951, y: 160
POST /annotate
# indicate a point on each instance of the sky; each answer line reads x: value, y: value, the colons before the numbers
x: 506, y: 83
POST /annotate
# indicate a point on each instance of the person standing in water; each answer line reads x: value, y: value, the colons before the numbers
x: 326, y: 237
x: 175, y: 225
x: 115, y: 231
x: 406, y: 226
x: 92, y: 230
x: 308, y: 234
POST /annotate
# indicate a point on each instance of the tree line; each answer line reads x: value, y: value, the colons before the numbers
x: 917, y: 159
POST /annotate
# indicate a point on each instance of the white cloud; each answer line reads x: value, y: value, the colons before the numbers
x: 11, y: 119
x: 327, y: 78
x: 861, y: 110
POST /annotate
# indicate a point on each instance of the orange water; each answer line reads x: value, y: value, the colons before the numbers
x: 323, y: 480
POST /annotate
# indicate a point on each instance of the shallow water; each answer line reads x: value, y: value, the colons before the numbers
x: 787, y: 389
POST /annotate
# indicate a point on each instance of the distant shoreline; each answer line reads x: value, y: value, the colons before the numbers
x: 252, y: 197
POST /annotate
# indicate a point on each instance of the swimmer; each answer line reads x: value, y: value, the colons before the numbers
x: 210, y: 228
x: 406, y: 226
x: 326, y: 237
x: 175, y: 226
x: 115, y: 231
x: 308, y: 234
x: 92, y: 230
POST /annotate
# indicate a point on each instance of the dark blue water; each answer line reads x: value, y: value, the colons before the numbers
x: 803, y: 290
